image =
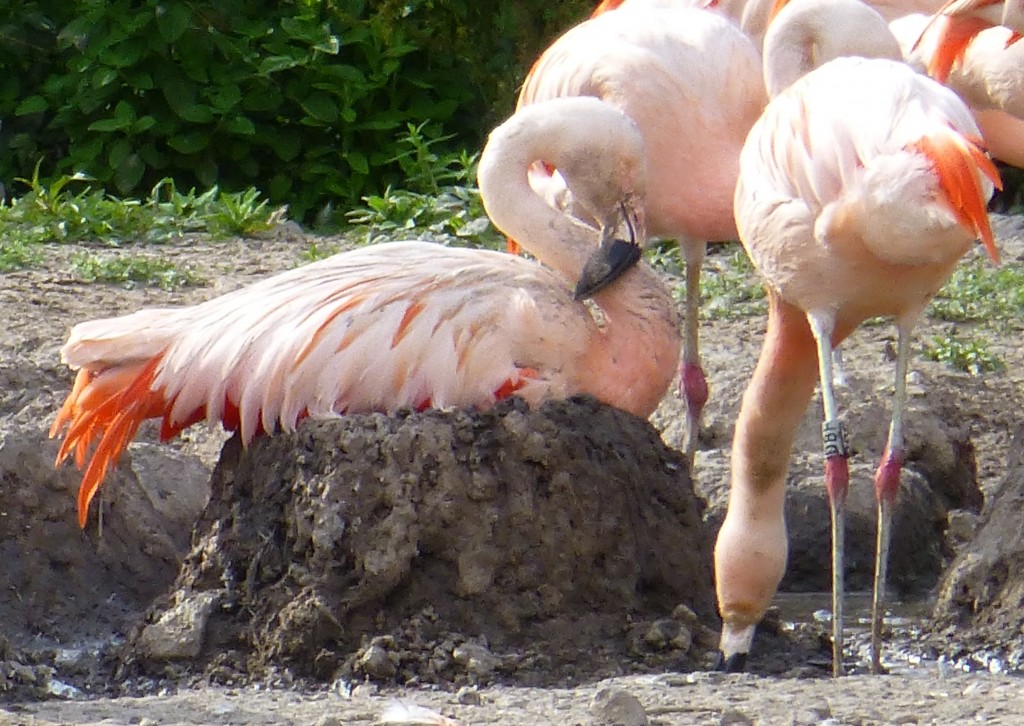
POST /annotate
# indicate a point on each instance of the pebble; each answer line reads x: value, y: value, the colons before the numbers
x: 617, y: 707
x: 476, y: 659
x: 179, y: 633
x: 469, y: 696
x: 732, y: 717
x: 377, y: 663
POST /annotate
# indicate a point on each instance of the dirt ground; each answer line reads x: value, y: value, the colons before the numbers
x: 70, y: 597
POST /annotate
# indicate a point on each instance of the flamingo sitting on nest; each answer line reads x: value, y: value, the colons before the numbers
x: 406, y: 323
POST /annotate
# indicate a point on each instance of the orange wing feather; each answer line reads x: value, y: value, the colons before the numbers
x: 957, y: 161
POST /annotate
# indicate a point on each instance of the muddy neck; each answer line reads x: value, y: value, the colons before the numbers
x: 638, y: 356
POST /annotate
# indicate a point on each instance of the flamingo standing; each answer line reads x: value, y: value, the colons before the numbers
x: 861, y: 186
x: 406, y: 323
x: 691, y: 80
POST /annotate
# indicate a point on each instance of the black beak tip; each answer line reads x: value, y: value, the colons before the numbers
x: 605, y: 266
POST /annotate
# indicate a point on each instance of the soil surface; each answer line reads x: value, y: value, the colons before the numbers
x: 77, y: 604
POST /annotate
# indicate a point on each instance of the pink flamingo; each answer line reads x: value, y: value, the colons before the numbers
x: 860, y: 188
x: 981, y: 63
x: 406, y: 323
x: 691, y: 80
x: 956, y: 24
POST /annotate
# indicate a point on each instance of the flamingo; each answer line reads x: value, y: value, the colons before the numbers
x: 985, y: 66
x: 861, y: 186
x: 691, y: 80
x: 406, y: 323
x: 989, y: 76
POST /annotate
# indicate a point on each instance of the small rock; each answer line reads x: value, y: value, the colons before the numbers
x: 660, y: 633
x: 328, y: 720
x: 468, y: 696
x: 476, y: 659
x: 59, y: 689
x: 961, y: 526
x: 617, y: 707
x: 376, y: 662
x: 812, y: 715
x: 732, y: 717
x: 179, y: 633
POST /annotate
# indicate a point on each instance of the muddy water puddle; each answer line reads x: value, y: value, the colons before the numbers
x: 908, y: 648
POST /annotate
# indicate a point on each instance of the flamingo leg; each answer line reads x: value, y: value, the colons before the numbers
x: 692, y: 382
x: 837, y: 475
x: 887, y: 485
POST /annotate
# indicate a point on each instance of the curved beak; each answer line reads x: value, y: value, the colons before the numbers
x: 614, y: 256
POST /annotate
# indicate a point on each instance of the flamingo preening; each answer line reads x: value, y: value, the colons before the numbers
x: 406, y: 323
x: 861, y: 186
x: 691, y: 81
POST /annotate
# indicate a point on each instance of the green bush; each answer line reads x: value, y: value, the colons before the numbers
x: 306, y: 100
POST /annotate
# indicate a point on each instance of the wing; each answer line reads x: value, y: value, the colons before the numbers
x: 387, y: 326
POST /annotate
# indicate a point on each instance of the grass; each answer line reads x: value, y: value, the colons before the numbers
x: 730, y: 286
x: 70, y: 210
x: 441, y: 202
x: 131, y: 270
x: 970, y: 355
x: 980, y: 292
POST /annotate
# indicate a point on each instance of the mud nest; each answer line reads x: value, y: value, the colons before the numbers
x: 546, y: 534
x: 981, y: 597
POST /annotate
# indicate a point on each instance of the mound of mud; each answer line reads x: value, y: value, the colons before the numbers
x: 66, y: 586
x: 981, y: 597
x: 438, y: 545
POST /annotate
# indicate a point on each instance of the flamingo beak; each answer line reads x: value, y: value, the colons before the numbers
x: 613, y: 256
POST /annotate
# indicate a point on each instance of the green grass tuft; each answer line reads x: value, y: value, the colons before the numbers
x: 970, y: 355
x: 980, y: 292
x: 132, y: 270
x: 730, y: 287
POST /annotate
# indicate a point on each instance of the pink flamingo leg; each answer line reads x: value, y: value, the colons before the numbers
x: 692, y: 383
x: 837, y: 476
x: 887, y: 485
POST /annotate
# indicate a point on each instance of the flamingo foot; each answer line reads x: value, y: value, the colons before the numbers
x: 693, y: 386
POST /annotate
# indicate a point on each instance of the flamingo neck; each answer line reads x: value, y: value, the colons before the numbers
x: 638, y: 355
x: 806, y: 34
x: 595, y: 147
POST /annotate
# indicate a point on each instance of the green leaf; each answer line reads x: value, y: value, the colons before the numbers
x: 358, y: 162
x: 172, y: 20
x: 118, y: 152
x: 144, y: 123
x: 275, y: 63
x: 225, y: 97
x: 189, y: 142
x: 129, y: 173
x: 32, y: 104
x: 109, y: 124
x: 124, y: 112
x: 241, y: 125
x: 321, y: 107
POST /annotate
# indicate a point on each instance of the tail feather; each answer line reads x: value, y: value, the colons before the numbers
x: 959, y: 163
x: 106, y: 408
x: 944, y: 41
